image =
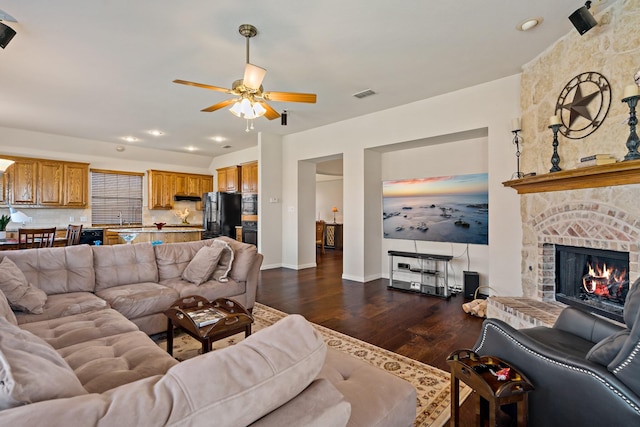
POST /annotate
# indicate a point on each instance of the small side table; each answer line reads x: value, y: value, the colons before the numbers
x: 237, y: 319
x: 476, y: 372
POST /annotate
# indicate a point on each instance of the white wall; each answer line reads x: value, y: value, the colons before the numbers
x: 491, y: 105
x: 328, y: 194
x: 452, y: 158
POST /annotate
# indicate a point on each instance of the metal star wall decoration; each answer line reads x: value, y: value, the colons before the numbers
x: 583, y: 104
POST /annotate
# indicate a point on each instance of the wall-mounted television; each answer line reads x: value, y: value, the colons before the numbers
x: 439, y: 209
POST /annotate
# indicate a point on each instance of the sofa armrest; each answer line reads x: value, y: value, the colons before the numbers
x: 585, y: 325
x: 568, y: 390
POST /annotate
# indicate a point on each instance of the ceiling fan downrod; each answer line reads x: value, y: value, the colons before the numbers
x: 247, y: 31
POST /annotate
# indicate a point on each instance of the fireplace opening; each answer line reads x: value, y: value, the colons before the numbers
x: 595, y: 280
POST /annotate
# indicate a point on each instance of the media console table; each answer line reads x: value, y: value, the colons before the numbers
x: 426, y: 274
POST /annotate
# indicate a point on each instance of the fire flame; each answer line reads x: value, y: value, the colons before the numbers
x: 602, y: 280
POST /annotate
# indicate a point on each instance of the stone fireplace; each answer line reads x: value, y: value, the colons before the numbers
x: 582, y: 209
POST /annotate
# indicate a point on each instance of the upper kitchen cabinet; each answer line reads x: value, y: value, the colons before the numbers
x: 76, y: 185
x: 249, y: 177
x: 164, y: 185
x: 161, y: 189
x: 229, y: 179
x: 46, y: 183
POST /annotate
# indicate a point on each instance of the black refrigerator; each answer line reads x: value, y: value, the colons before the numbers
x: 222, y: 214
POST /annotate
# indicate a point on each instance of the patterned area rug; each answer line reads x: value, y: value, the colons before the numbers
x: 432, y: 384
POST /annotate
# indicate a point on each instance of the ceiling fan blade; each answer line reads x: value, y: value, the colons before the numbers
x: 290, y: 97
x: 253, y: 76
x: 219, y: 105
x: 271, y: 113
x: 219, y: 89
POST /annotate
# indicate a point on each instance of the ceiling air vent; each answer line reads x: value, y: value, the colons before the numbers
x: 364, y: 93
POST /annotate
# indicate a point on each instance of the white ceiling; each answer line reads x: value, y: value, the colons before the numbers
x: 103, y: 69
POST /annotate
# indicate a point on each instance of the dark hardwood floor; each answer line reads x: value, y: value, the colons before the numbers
x: 424, y: 328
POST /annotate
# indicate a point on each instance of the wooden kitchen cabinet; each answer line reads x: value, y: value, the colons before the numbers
x: 161, y: 189
x: 46, y: 183
x: 76, y: 185
x: 249, y: 177
x: 229, y: 179
x: 163, y: 185
x: 22, y: 182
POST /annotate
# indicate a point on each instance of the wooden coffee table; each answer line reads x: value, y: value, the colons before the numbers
x: 235, y: 319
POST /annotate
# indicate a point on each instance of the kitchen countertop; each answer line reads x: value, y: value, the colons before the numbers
x: 155, y: 230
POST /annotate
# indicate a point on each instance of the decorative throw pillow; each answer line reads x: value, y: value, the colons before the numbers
x: 202, y: 265
x: 606, y: 350
x: 226, y: 260
x: 21, y: 294
x: 31, y: 370
x: 5, y: 310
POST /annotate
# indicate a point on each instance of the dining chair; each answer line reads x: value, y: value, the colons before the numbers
x: 320, y: 234
x: 73, y: 234
x: 36, y: 237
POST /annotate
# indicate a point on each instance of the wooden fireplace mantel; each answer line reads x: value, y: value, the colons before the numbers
x: 621, y: 173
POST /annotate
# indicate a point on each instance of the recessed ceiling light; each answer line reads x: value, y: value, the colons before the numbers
x: 130, y: 138
x: 529, y: 23
x: 218, y: 139
x: 191, y: 148
x: 155, y: 132
x: 226, y: 146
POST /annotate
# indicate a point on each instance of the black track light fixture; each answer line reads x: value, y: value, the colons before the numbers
x: 582, y: 19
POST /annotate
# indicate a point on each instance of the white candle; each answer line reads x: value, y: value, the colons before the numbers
x: 554, y: 120
x: 631, y: 90
x: 515, y: 124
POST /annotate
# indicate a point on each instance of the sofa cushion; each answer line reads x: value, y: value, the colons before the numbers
x: 244, y: 257
x: 57, y: 270
x: 626, y: 364
x: 253, y: 377
x: 360, y: 384
x: 319, y: 405
x: 31, y: 370
x: 139, y: 299
x: 117, y: 265
x: 202, y: 265
x: 71, y: 330
x: 21, y: 294
x: 224, y: 263
x: 61, y: 305
x: 173, y: 258
x: 6, y: 311
x: 108, y: 362
x: 606, y: 350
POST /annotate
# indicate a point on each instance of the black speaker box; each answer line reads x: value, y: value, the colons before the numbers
x: 471, y: 283
x: 583, y: 20
x: 6, y: 34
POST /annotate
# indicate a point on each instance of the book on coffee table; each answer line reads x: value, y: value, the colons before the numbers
x: 206, y: 316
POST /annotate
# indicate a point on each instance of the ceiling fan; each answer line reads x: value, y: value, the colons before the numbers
x: 250, y: 98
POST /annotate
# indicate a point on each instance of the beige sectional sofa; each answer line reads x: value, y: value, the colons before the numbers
x: 84, y: 356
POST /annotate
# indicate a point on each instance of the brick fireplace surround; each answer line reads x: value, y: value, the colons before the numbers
x: 596, y: 207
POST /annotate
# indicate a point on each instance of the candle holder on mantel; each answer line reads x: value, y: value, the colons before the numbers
x: 632, y: 141
x: 555, y: 158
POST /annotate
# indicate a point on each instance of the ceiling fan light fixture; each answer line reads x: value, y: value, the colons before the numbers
x: 236, y: 110
x: 258, y: 109
x: 253, y: 76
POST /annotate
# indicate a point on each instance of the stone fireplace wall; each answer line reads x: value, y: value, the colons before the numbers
x: 612, y: 48
x: 598, y: 218
x: 602, y: 218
